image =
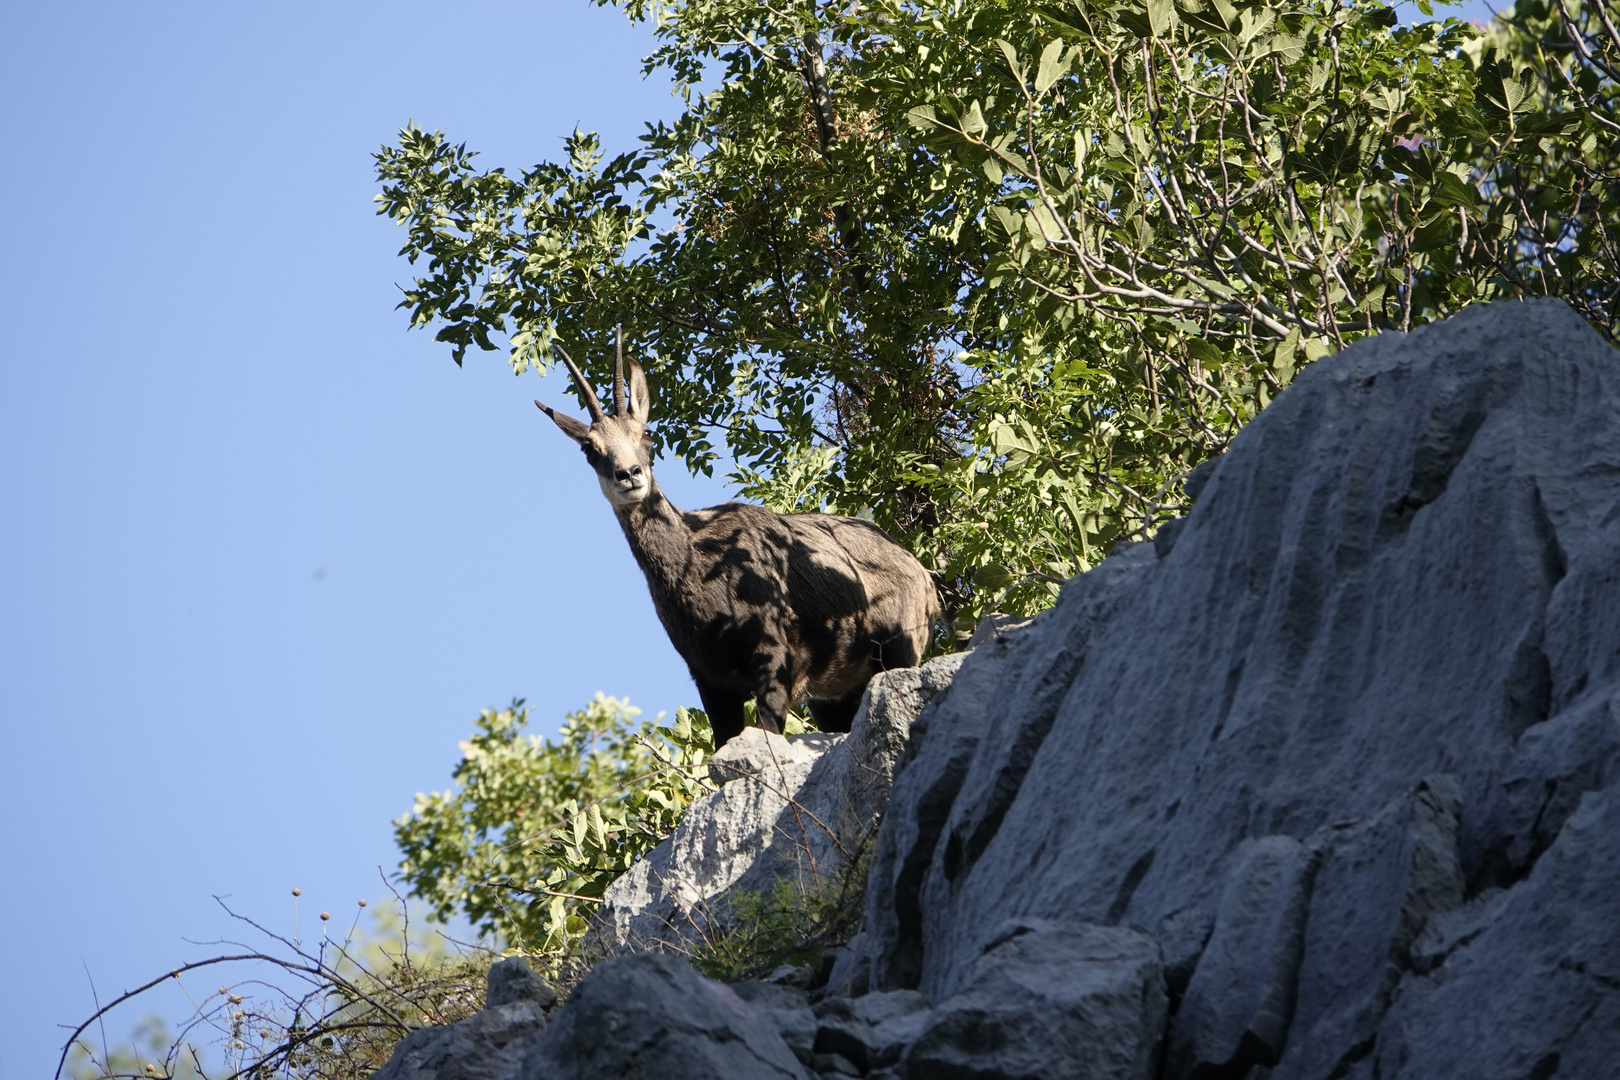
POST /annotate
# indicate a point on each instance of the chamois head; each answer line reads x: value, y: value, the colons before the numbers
x: 618, y: 446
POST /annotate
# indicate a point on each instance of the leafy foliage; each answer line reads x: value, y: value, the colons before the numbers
x: 792, y: 924
x: 538, y: 829
x: 1552, y: 71
x: 996, y: 274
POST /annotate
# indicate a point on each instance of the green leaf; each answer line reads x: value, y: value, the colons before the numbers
x: 1013, y: 63
x: 1054, y: 65
x: 1452, y: 190
x: 973, y: 124
x: 1282, y: 361
x: 1002, y: 224
x: 1162, y: 17
x: 923, y: 118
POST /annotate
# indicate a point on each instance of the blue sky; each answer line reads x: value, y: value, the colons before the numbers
x: 265, y: 553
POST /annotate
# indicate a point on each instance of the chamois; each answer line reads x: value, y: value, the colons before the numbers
x: 775, y: 607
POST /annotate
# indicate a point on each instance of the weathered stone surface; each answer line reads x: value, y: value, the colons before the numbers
x: 1536, y: 992
x: 1240, y: 1000
x: 651, y: 1017
x: 683, y: 883
x: 491, y: 1044
x: 1378, y: 883
x: 925, y: 785
x: 1383, y: 653
x: 789, y: 809
x: 851, y: 969
x: 512, y: 979
x: 840, y: 1031
x: 1051, y: 1002
x: 758, y: 753
x: 785, y: 1008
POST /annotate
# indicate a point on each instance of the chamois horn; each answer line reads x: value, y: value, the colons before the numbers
x: 591, y: 404
x: 618, y: 373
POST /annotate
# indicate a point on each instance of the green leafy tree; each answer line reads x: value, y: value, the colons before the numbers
x: 1552, y: 71
x: 996, y: 273
x: 536, y: 829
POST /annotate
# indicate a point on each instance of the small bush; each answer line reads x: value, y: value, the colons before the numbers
x: 538, y: 829
x: 796, y: 923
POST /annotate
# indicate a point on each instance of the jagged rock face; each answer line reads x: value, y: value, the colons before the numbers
x: 1052, y: 1001
x: 651, y: 1017
x: 797, y: 809
x: 1342, y: 742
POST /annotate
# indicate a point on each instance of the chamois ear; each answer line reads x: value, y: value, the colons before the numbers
x: 570, y: 427
x: 638, y: 393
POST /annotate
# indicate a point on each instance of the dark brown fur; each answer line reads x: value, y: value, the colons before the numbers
x: 775, y: 607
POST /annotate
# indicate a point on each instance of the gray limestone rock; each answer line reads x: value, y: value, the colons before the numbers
x: 851, y: 969
x: 1535, y: 991
x: 758, y: 754
x: 1050, y: 1002
x: 994, y: 625
x: 512, y: 979
x: 1379, y: 882
x: 840, y: 1031
x: 651, y: 1017
x: 1240, y: 1000
x: 927, y: 778
x: 785, y: 1008
x: 1383, y: 652
x: 797, y: 809
x: 491, y: 1044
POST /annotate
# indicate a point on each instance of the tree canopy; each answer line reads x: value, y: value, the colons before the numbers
x: 997, y: 273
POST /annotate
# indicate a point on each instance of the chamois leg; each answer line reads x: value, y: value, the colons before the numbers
x: 837, y: 714
x: 771, y: 705
x: 725, y: 710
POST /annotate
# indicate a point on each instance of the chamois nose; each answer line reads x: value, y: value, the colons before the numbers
x: 632, y: 473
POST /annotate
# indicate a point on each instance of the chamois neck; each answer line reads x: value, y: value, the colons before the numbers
x: 659, y: 537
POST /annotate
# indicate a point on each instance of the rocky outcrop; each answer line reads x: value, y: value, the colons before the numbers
x: 798, y: 809
x: 1056, y: 1001
x: 651, y: 1017
x: 1331, y: 741
x: 490, y: 1045
x: 1320, y: 784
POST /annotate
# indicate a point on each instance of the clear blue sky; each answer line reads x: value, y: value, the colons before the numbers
x: 263, y: 555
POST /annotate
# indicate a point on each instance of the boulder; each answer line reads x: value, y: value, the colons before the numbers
x: 512, y: 979
x: 1050, y: 1002
x: 798, y: 809
x: 1343, y: 742
x: 489, y: 1045
x: 651, y: 1017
